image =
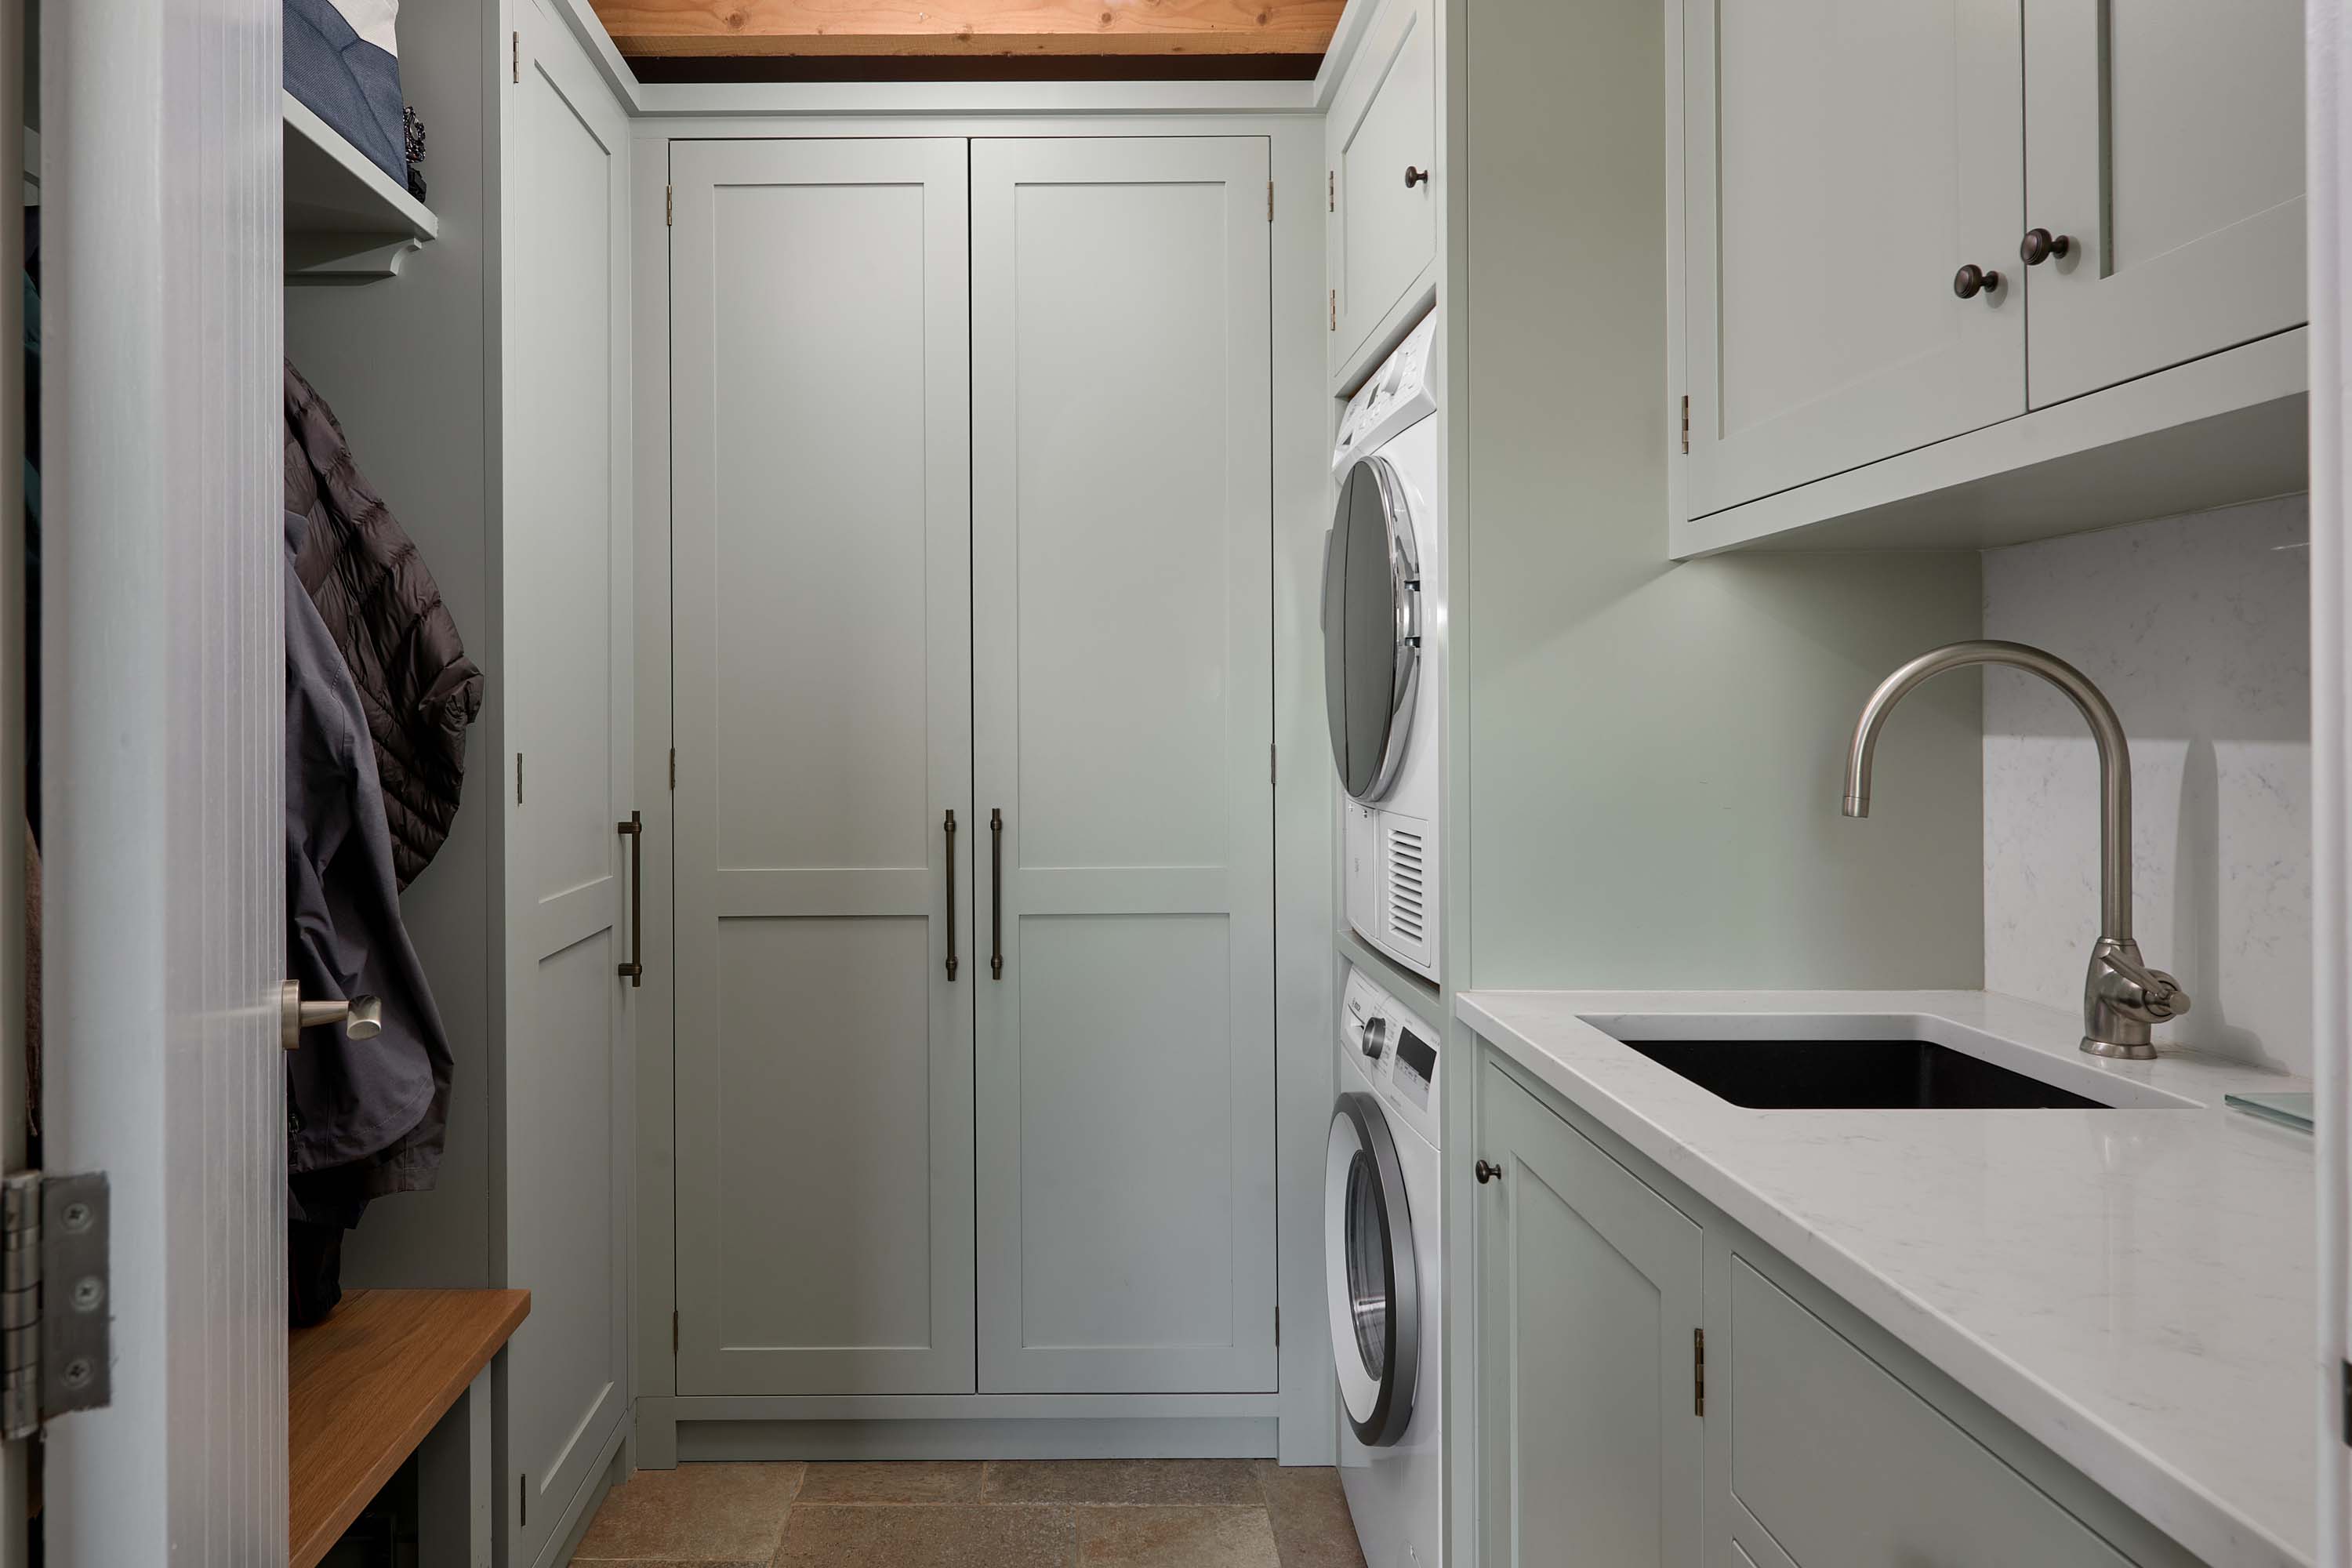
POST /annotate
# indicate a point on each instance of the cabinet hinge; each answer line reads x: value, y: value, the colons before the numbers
x: 673, y: 767
x: 1273, y: 765
x: 1335, y: 310
x: 673, y: 1331
x: 1698, y: 1371
x: 1269, y: 201
x: 522, y: 1498
x: 2347, y: 1404
x: 517, y: 56
x: 1277, y: 1328
x: 518, y: 778
x: 1331, y: 190
x: 55, y: 1318
x: 669, y: 203
x: 1686, y: 422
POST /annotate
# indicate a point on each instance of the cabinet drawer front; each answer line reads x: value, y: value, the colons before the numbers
x: 1842, y: 1464
x: 1844, y: 159
x: 1383, y: 123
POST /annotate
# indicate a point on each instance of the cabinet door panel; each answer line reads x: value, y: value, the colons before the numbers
x: 823, y: 668
x: 1844, y: 159
x: 2165, y: 139
x: 568, y: 667
x: 1382, y: 122
x: 1589, y: 1299
x: 1840, y: 1462
x: 1122, y: 711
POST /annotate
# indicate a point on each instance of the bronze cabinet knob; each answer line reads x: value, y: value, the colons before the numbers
x: 1414, y: 176
x: 1487, y: 1172
x: 1972, y: 280
x: 2040, y: 244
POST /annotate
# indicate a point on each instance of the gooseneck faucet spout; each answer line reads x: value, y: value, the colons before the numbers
x: 2122, y: 997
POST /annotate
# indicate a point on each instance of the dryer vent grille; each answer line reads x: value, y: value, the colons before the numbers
x: 1406, y: 886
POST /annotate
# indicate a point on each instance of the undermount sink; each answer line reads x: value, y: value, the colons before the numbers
x: 1855, y: 1075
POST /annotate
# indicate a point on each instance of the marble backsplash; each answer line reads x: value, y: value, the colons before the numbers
x: 2197, y: 629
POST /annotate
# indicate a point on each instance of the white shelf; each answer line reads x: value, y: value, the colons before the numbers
x: 346, y: 221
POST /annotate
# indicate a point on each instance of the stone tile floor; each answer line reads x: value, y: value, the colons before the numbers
x: 1076, y: 1513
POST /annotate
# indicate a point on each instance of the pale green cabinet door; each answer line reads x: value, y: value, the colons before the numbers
x: 1589, y: 1313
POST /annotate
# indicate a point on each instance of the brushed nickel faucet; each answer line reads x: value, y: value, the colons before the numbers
x: 2123, y: 998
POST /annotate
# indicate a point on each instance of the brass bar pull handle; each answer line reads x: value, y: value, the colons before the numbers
x: 995, y: 894
x: 634, y: 830
x: 949, y: 829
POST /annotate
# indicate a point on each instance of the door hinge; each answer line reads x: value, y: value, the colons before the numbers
x: 1698, y: 1371
x: 1273, y: 765
x: 1330, y: 190
x: 1686, y: 422
x: 1269, y: 201
x: 518, y: 778
x: 518, y: 56
x: 1335, y: 310
x: 55, y: 1318
x: 673, y: 767
x: 673, y: 1331
x: 670, y: 205
x: 522, y: 1498
x: 2347, y: 1404
x: 1277, y: 1327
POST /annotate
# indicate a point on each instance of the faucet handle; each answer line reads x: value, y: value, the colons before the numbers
x: 2144, y: 991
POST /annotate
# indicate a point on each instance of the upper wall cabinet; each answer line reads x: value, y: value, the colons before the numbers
x: 2164, y: 165
x: 1858, y: 153
x: 1915, y: 231
x: 1382, y: 143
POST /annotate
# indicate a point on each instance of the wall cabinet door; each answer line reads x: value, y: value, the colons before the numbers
x: 1588, y: 1303
x: 1844, y: 159
x: 1122, y: 637
x: 567, y: 653
x: 1382, y: 232
x: 2164, y: 140
x: 821, y: 533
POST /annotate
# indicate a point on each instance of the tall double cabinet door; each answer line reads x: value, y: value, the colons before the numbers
x: 568, y: 660
x: 1843, y: 160
x: 1123, y: 709
x: 2164, y: 142
x: 1594, y: 1434
x: 821, y: 613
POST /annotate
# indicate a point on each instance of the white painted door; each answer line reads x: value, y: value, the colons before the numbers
x: 1846, y: 158
x: 1383, y: 123
x: 163, y: 917
x: 821, y: 611
x: 569, y: 1025
x: 1588, y: 1303
x: 2164, y: 140
x: 1122, y: 721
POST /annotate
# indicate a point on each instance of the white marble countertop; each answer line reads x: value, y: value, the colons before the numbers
x: 2134, y: 1288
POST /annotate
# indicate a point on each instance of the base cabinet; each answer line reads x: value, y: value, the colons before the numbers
x: 1794, y: 1434
x: 1588, y: 1324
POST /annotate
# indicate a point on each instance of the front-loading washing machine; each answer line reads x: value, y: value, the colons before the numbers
x: 1383, y: 602
x: 1382, y: 1267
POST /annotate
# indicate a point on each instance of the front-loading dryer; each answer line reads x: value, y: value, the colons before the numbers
x: 1381, y: 1270
x: 1383, y: 604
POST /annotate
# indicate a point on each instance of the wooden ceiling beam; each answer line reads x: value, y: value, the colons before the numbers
x: 968, y: 28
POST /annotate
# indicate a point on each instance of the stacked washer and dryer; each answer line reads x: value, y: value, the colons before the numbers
x: 1383, y: 566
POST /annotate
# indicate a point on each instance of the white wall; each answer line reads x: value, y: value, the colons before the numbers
x: 2198, y: 630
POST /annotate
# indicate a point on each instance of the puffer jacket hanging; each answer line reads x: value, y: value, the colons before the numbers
x: 384, y: 611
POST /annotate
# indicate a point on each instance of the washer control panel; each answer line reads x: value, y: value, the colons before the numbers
x: 1392, y: 1047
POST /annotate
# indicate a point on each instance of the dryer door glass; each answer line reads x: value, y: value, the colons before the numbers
x: 1371, y: 629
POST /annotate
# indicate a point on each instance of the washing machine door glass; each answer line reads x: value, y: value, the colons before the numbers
x: 1371, y: 627
x: 1371, y: 1272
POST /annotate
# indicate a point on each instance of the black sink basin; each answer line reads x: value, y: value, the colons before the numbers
x: 1855, y: 1075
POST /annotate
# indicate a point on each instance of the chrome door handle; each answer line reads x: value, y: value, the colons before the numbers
x: 995, y: 893
x: 634, y: 830
x: 362, y: 1017
x: 949, y: 829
